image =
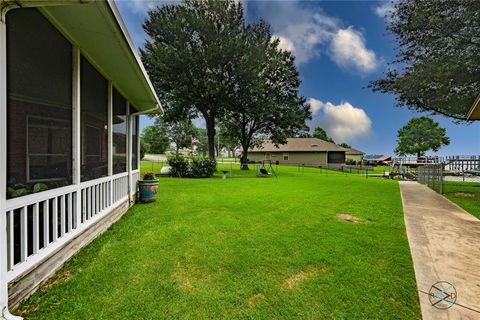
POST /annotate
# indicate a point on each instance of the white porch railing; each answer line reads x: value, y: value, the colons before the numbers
x: 135, y: 178
x: 39, y: 224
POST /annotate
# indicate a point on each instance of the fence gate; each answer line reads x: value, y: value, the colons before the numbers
x: 432, y: 176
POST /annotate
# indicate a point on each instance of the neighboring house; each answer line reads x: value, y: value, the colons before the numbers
x: 71, y: 91
x: 474, y: 113
x: 308, y: 151
x: 376, y: 159
x: 354, y: 155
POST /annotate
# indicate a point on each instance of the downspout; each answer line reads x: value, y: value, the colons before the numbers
x: 130, y: 118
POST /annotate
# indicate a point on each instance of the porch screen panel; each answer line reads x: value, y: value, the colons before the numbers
x: 135, y: 127
x: 119, y: 130
x: 94, y: 122
x: 39, y: 104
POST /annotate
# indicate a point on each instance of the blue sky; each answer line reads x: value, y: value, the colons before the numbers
x: 339, y: 46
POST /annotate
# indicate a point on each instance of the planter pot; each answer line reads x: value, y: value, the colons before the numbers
x: 147, y: 190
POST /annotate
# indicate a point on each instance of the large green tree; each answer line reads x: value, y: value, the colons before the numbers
x: 438, y: 61
x: 321, y: 134
x: 420, y: 135
x: 179, y: 132
x: 266, y: 103
x: 189, y: 56
x: 156, y: 139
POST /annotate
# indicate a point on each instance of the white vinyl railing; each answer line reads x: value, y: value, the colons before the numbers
x: 135, y: 178
x: 38, y: 224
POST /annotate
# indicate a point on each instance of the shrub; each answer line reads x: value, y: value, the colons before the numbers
x: 39, y: 187
x: 202, y: 167
x: 179, y: 166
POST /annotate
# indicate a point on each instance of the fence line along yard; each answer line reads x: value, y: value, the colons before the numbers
x: 432, y: 176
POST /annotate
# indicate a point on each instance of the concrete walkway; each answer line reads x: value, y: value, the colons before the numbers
x: 445, y: 244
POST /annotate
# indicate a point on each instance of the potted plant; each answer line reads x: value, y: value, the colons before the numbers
x: 148, y: 187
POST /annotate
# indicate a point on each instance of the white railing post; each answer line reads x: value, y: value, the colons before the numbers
x: 76, y: 133
x: 4, y: 312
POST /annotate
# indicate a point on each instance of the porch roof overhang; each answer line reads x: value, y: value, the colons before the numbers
x: 474, y: 113
x: 98, y: 29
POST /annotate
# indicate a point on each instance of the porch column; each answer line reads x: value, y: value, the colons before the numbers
x: 129, y: 151
x: 76, y: 134
x: 110, y: 128
x: 137, y: 127
x: 4, y: 313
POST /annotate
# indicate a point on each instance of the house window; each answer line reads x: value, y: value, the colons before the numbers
x: 286, y: 156
x: 48, y: 140
x: 119, y: 130
x: 135, y: 126
x: 94, y: 122
x: 39, y: 104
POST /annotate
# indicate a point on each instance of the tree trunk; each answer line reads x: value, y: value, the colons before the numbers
x: 244, y: 160
x: 210, y: 123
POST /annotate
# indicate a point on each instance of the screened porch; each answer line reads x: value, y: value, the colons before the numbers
x: 70, y: 135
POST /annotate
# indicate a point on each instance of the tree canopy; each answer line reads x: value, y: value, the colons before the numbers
x: 321, y: 134
x: 156, y: 139
x: 438, y: 59
x: 189, y: 56
x: 266, y: 103
x: 345, y: 145
x: 420, y: 135
x: 179, y: 132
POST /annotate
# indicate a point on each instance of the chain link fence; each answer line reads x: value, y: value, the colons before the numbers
x: 432, y: 176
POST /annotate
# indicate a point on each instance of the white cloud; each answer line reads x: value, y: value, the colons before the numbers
x: 315, y: 105
x: 385, y: 9
x: 343, y: 122
x: 302, y: 31
x: 308, y: 33
x: 348, y: 49
x: 141, y: 7
x: 285, y: 44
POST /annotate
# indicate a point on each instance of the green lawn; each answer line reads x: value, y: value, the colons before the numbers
x: 465, y: 194
x: 154, y: 166
x: 245, y: 248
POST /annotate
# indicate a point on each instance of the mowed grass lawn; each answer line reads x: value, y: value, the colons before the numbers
x: 245, y: 248
x: 465, y: 194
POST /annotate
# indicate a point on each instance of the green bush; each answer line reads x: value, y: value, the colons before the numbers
x: 39, y: 187
x: 180, y: 167
x: 202, y: 167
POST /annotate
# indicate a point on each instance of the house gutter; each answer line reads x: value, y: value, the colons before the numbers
x: 475, y: 105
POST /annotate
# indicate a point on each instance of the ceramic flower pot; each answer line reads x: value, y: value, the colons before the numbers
x: 147, y: 190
